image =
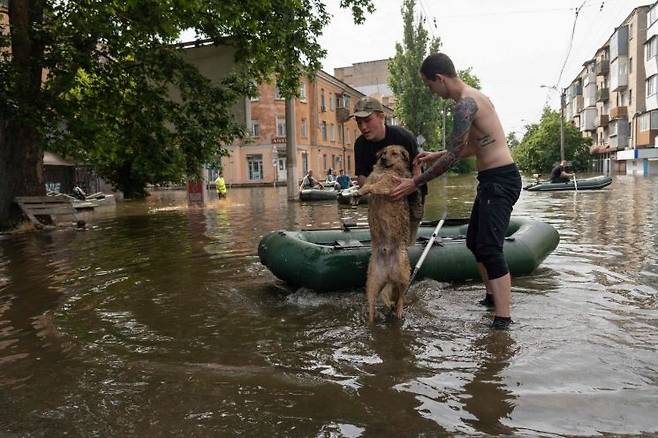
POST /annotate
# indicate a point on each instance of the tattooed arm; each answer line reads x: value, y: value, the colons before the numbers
x: 465, y: 111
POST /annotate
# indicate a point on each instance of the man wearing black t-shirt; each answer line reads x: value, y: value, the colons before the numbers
x: 375, y: 135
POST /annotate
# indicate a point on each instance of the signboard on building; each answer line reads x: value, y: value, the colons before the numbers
x: 279, y: 140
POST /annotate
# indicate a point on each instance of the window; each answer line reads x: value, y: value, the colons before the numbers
x: 302, y: 92
x: 324, y: 161
x: 323, y: 106
x: 630, y: 65
x: 332, y: 132
x: 277, y: 93
x: 331, y: 102
x: 630, y: 31
x: 612, y: 128
x: 324, y: 131
x: 644, y: 122
x: 346, y: 101
x: 650, y: 48
x: 280, y: 126
x: 651, y: 85
x: 630, y: 97
x: 255, y: 166
x: 255, y: 128
x: 654, y: 119
x: 304, y: 163
x: 304, y: 129
x: 653, y: 15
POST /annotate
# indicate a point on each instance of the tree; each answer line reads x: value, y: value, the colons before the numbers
x: 512, y: 141
x: 94, y: 79
x: 539, y: 149
x: 417, y: 108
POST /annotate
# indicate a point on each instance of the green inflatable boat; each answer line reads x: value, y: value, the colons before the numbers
x: 337, y: 259
x: 317, y: 195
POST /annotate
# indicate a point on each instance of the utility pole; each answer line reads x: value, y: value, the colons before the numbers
x: 562, y: 126
x: 291, y: 151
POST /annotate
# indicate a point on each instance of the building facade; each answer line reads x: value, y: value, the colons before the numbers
x: 369, y: 78
x: 613, y: 99
x: 324, y: 134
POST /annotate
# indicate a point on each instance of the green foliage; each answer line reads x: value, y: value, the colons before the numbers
x: 539, y: 150
x: 512, y: 141
x: 415, y: 106
x: 112, y: 67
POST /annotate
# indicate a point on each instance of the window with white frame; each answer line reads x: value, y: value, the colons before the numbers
x: 277, y: 93
x: 255, y: 128
x: 653, y: 15
x: 332, y: 133
x: 651, y: 85
x: 324, y: 131
x: 323, y: 106
x: 654, y: 119
x: 650, y: 48
x: 346, y: 101
x: 644, y: 121
x: 280, y: 126
x: 302, y: 91
x: 304, y: 128
x: 331, y: 101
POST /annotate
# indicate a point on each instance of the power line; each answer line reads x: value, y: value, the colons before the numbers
x: 573, y: 31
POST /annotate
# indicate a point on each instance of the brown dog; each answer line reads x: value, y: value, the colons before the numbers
x: 389, y: 269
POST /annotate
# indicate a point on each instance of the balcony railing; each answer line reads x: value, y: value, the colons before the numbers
x: 602, y: 67
x: 578, y: 104
x: 602, y: 120
x: 618, y: 112
x: 602, y: 95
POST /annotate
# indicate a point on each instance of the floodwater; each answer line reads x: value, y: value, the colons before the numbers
x: 159, y: 320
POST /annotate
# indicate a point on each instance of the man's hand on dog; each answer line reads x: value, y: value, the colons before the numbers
x: 406, y: 186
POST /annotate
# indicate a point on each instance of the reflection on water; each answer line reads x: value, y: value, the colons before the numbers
x: 159, y: 320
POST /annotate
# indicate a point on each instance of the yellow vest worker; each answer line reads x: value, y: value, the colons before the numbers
x: 221, y: 186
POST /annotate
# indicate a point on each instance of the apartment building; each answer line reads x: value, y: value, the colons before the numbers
x: 369, y: 78
x: 323, y: 133
x: 608, y: 99
x: 643, y: 158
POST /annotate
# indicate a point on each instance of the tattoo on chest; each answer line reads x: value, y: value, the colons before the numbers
x: 485, y: 140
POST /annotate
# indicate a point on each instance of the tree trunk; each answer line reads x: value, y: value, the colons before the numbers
x: 21, y: 154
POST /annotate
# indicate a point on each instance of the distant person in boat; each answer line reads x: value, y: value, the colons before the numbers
x: 476, y: 131
x: 331, y: 177
x: 343, y: 180
x: 309, y: 182
x: 220, y: 185
x: 559, y: 173
x: 376, y: 135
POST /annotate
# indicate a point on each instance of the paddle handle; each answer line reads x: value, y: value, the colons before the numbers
x: 575, y: 181
x: 420, y: 261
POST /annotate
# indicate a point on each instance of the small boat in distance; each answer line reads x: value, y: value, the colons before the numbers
x: 593, y: 183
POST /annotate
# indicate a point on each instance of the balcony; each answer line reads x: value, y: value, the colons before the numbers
x: 602, y: 67
x: 578, y: 103
x: 602, y: 95
x: 602, y: 121
x: 618, y: 112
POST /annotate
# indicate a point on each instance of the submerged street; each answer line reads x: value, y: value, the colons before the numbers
x: 159, y: 319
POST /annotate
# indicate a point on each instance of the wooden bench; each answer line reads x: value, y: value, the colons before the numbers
x: 47, y: 210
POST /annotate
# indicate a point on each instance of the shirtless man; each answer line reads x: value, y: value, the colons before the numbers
x: 476, y: 131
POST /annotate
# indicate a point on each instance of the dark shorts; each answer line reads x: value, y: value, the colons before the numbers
x: 497, y: 192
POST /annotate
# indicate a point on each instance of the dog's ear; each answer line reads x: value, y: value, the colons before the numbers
x: 405, y: 153
x: 380, y: 152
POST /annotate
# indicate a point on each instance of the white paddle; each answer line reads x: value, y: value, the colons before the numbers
x: 420, y: 261
x: 575, y: 181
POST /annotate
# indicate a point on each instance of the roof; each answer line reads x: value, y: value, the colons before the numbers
x: 52, y: 159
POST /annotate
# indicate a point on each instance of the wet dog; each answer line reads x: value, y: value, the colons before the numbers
x: 389, y: 269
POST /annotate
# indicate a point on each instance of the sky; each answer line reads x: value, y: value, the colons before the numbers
x: 513, y: 46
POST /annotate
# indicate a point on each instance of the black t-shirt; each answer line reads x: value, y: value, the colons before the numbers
x: 556, y: 172
x: 365, y: 151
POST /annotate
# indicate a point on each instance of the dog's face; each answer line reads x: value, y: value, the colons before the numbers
x: 393, y: 156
